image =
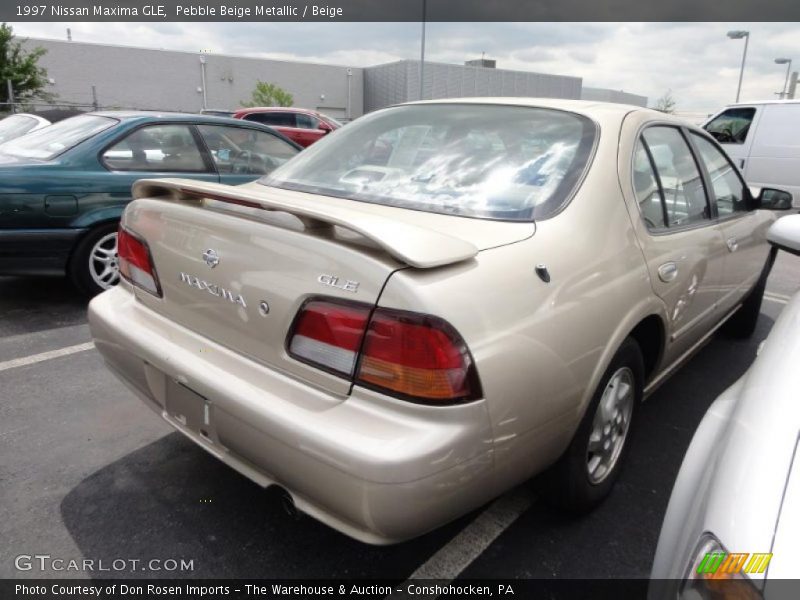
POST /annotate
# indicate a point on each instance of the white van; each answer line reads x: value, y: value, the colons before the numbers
x: 763, y: 139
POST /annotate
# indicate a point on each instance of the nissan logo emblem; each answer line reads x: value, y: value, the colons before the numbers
x: 211, y: 258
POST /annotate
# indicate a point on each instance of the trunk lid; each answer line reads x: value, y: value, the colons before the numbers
x: 236, y: 263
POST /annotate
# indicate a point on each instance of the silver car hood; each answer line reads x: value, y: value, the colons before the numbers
x: 784, y: 564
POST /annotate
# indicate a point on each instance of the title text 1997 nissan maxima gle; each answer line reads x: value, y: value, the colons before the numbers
x: 435, y: 303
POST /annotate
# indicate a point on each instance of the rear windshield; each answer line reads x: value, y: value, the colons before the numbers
x: 487, y: 161
x: 51, y: 141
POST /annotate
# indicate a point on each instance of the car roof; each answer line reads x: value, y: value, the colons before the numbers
x: 147, y: 115
x: 307, y: 111
x: 590, y: 108
x: 160, y: 115
x: 759, y: 102
x: 126, y: 115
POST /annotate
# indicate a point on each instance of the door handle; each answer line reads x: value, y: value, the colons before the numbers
x: 733, y: 244
x: 741, y: 163
x: 668, y: 272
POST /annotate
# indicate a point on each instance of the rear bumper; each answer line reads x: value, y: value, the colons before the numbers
x: 36, y: 251
x: 372, y: 467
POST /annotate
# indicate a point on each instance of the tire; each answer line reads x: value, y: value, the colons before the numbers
x: 93, y: 267
x: 582, y: 478
x: 743, y: 322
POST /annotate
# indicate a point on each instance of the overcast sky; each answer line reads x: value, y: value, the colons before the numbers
x: 695, y: 60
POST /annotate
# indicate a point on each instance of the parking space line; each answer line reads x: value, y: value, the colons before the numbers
x: 37, y: 358
x: 779, y: 298
x: 455, y: 556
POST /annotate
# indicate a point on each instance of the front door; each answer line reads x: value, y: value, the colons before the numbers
x: 242, y: 154
x: 739, y: 224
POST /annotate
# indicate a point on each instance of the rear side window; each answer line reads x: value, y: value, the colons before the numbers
x: 681, y: 186
x: 485, y: 161
x: 728, y: 188
x: 648, y: 192
x: 158, y: 148
x: 277, y: 119
x: 732, y: 125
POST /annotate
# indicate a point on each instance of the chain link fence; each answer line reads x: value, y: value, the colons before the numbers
x: 12, y: 106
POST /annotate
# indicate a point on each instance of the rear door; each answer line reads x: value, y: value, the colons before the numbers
x: 682, y: 246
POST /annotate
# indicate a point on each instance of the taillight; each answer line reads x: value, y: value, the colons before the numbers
x: 328, y: 334
x: 135, y: 262
x: 412, y: 356
x: 417, y: 356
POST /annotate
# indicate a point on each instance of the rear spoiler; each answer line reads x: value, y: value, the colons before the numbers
x: 413, y: 245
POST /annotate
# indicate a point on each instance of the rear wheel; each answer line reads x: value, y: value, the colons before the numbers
x: 586, y: 472
x: 94, y: 266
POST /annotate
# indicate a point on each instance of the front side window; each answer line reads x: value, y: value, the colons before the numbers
x: 306, y: 121
x: 681, y: 183
x: 245, y: 151
x: 727, y: 186
x: 495, y: 162
x: 732, y: 125
x: 158, y: 148
x: 333, y: 122
x: 49, y: 142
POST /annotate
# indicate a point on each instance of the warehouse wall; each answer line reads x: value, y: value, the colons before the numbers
x: 399, y: 82
x: 619, y: 97
x: 127, y: 77
x: 146, y: 78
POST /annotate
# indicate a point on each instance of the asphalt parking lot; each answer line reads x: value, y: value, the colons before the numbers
x: 87, y: 472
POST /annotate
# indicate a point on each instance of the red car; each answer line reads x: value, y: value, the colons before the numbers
x: 298, y: 124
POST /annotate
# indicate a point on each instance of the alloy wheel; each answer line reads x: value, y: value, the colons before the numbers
x: 610, y: 425
x: 103, y: 261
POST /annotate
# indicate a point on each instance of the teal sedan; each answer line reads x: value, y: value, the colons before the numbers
x: 63, y: 188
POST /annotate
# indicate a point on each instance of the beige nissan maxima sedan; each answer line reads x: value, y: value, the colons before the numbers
x: 435, y: 303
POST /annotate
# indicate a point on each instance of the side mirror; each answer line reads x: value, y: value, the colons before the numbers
x: 772, y: 199
x: 323, y: 126
x: 784, y: 234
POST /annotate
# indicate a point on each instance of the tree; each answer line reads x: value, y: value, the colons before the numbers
x: 269, y: 94
x: 666, y: 103
x: 21, y: 67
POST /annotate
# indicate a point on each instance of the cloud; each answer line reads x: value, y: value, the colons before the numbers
x: 695, y: 60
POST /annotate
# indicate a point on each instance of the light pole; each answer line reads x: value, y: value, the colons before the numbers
x: 422, y: 54
x: 737, y: 35
x: 203, y: 79
x: 788, y: 63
